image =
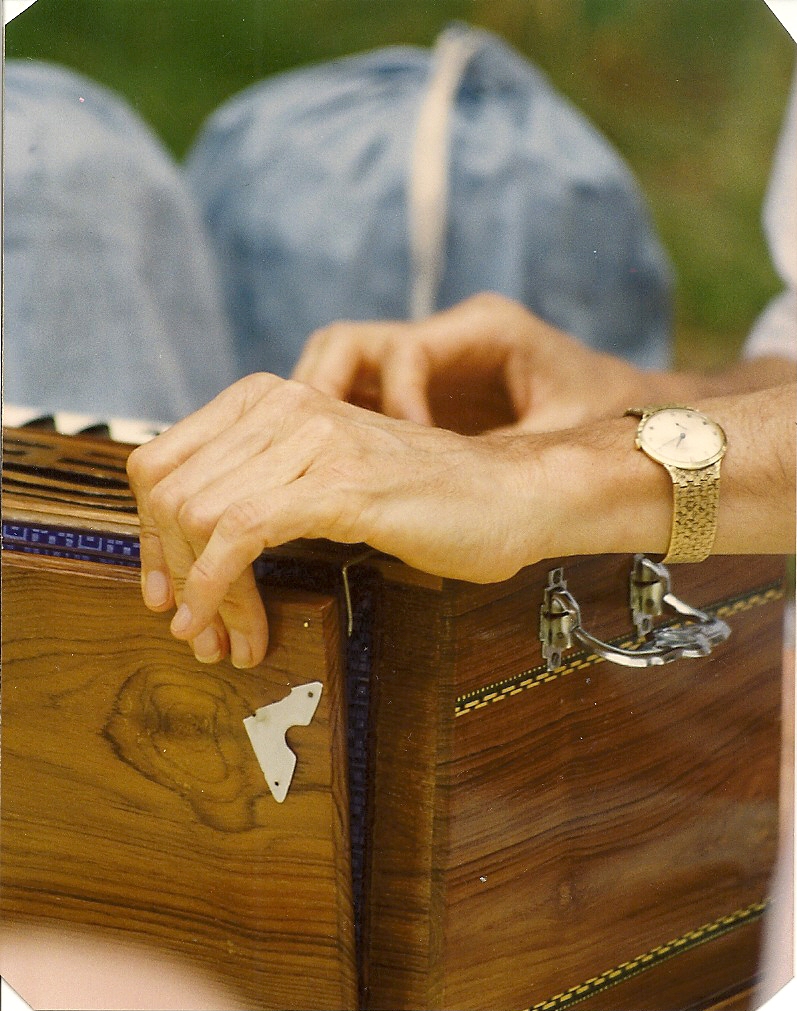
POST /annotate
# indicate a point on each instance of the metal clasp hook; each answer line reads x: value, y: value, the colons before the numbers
x: 649, y: 593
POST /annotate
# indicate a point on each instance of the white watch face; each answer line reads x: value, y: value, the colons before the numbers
x: 682, y: 438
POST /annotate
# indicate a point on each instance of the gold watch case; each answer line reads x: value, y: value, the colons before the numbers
x: 681, y: 437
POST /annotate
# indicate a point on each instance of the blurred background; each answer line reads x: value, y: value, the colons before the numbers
x: 691, y: 92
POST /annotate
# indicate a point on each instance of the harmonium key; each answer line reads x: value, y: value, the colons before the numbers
x: 431, y: 794
x: 130, y: 431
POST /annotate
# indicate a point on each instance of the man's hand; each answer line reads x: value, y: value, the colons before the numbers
x: 552, y: 380
x: 269, y: 461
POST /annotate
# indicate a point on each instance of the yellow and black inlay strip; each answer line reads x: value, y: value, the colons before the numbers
x: 479, y: 698
x: 642, y: 963
x: 744, y: 602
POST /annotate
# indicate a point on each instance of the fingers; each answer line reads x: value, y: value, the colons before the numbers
x: 189, y: 450
x: 235, y: 622
x: 173, y: 554
x: 226, y: 524
x: 400, y: 359
x: 228, y: 483
x: 219, y: 580
x: 238, y: 609
x: 149, y: 463
x: 156, y: 584
x: 263, y: 505
x: 343, y: 361
x: 181, y: 446
x: 332, y: 358
x: 405, y: 384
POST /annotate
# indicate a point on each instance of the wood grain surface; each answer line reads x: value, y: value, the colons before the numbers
x: 133, y: 803
x: 597, y: 837
x: 567, y: 828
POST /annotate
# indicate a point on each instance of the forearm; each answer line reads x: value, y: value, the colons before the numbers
x: 757, y: 494
x: 603, y: 495
x: 546, y: 379
x: 745, y: 376
x: 287, y: 462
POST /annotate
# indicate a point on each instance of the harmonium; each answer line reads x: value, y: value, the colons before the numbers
x: 559, y: 791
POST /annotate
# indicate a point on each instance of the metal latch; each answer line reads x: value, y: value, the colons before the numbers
x: 649, y: 593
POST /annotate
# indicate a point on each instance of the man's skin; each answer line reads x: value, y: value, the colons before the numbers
x: 272, y: 460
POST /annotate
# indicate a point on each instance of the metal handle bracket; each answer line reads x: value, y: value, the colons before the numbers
x: 649, y: 593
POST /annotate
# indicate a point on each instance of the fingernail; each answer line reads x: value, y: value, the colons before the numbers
x: 156, y: 589
x: 181, y: 619
x: 240, y: 654
x: 207, y: 648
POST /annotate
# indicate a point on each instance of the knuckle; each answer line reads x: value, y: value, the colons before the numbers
x: 243, y: 611
x: 497, y: 311
x: 338, y: 331
x: 294, y: 396
x: 253, y: 386
x: 299, y: 393
x: 257, y: 382
x: 319, y: 430
x: 138, y: 469
x: 251, y: 389
x: 240, y: 520
x: 194, y: 519
x: 204, y: 576
x: 165, y: 502
x: 149, y: 539
x: 491, y: 301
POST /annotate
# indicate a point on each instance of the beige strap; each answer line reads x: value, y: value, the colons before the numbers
x: 429, y: 168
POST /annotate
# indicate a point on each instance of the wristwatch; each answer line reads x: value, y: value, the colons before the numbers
x: 691, y: 447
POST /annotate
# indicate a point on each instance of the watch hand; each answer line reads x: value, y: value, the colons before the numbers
x: 677, y: 439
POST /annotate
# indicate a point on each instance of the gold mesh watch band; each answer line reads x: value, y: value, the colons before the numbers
x: 694, y: 518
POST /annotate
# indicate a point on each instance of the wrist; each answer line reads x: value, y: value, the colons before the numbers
x: 588, y: 490
x: 600, y: 494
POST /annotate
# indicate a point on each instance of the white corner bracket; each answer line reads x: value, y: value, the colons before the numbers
x: 267, y: 730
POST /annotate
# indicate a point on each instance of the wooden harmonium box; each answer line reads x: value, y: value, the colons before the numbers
x: 470, y: 824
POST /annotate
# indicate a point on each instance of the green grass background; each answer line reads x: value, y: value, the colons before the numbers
x: 692, y: 93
